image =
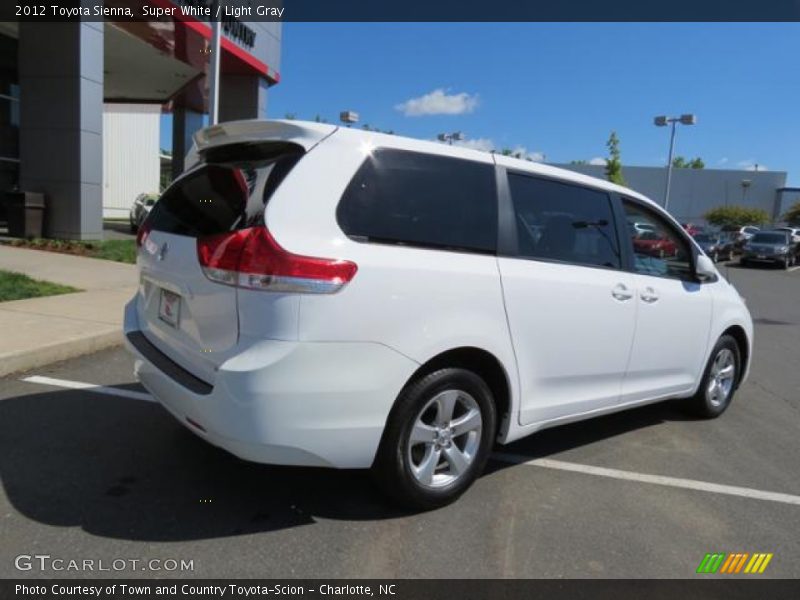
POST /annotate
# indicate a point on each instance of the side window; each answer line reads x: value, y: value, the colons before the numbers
x: 425, y: 200
x: 657, y: 248
x: 563, y: 222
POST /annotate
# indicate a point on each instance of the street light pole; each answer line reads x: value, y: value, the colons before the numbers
x: 662, y: 121
x: 213, y: 84
x: 669, y: 166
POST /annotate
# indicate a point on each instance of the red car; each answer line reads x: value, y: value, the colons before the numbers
x: 653, y: 244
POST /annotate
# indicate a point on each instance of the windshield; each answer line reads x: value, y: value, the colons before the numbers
x: 769, y: 238
x: 704, y: 238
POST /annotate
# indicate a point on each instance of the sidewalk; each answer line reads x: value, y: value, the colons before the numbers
x: 44, y: 330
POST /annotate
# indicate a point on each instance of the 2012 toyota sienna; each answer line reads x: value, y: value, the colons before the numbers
x: 322, y: 296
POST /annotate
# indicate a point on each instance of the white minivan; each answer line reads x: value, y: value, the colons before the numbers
x: 323, y: 296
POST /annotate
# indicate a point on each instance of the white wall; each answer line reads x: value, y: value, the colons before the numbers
x: 131, y: 162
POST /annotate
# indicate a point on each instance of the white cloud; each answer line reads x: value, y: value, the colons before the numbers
x: 523, y: 152
x: 751, y: 165
x: 597, y: 160
x: 439, y: 102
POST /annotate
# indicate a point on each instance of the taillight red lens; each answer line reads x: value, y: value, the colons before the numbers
x: 142, y: 233
x: 251, y: 258
x: 222, y: 251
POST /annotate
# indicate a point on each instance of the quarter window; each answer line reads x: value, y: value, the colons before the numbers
x: 658, y: 249
x: 563, y: 222
x: 414, y: 199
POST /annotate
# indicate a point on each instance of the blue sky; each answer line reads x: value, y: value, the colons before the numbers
x: 558, y: 89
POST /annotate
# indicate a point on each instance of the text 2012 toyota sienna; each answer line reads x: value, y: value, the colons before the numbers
x: 314, y: 295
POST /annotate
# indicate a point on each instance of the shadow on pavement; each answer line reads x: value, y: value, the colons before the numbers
x: 123, y: 468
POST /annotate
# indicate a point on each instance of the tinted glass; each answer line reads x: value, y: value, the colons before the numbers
x: 563, y: 222
x: 219, y: 197
x: 421, y: 200
x: 663, y: 252
x: 703, y: 237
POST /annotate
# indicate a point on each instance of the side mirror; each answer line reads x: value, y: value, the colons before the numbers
x: 704, y: 268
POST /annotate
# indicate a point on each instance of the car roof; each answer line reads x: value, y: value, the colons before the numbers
x: 307, y: 134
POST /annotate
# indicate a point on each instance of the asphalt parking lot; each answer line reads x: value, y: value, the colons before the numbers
x: 95, y: 475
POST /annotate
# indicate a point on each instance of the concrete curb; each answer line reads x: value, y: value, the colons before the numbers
x: 14, y: 362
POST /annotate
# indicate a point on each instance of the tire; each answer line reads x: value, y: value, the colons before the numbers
x: 400, y: 465
x: 743, y: 262
x: 786, y: 264
x: 710, y: 402
x: 715, y: 258
x: 134, y: 228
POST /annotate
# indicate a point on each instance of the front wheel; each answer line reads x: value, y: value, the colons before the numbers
x: 719, y: 381
x: 437, y: 439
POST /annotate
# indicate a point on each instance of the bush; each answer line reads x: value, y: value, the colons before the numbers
x: 792, y: 215
x: 736, y: 216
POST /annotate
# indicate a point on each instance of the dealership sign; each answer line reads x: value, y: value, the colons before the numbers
x: 233, y: 27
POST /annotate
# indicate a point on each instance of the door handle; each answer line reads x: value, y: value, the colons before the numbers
x: 649, y: 295
x: 621, y: 292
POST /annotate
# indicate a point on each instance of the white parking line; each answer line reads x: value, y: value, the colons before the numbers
x: 688, y: 484
x: 90, y: 387
x: 518, y: 459
x: 793, y: 269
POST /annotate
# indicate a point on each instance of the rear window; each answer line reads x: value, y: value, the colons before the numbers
x: 423, y: 200
x: 770, y: 238
x: 226, y: 193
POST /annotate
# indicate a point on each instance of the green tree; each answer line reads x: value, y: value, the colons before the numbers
x: 614, y: 164
x: 290, y: 116
x: 680, y: 162
x: 792, y: 215
x: 736, y: 216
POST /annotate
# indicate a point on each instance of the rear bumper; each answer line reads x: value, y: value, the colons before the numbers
x: 770, y: 258
x: 279, y: 402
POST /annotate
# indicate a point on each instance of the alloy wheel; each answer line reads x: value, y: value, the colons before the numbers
x: 444, y: 439
x: 720, y: 382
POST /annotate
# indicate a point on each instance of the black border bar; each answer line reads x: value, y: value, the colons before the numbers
x: 441, y: 10
x: 700, y: 588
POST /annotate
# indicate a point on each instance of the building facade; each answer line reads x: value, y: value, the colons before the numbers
x: 693, y: 192
x: 71, y: 93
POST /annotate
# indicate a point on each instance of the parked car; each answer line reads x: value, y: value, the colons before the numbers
x: 774, y: 247
x: 792, y: 231
x: 653, y: 244
x: 331, y: 297
x: 717, y: 246
x: 741, y: 235
x: 140, y: 209
x: 642, y: 227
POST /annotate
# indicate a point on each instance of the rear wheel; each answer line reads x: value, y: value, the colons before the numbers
x: 719, y: 381
x: 437, y: 439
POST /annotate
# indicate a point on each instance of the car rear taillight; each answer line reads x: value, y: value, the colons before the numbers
x: 251, y: 258
x: 142, y: 233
